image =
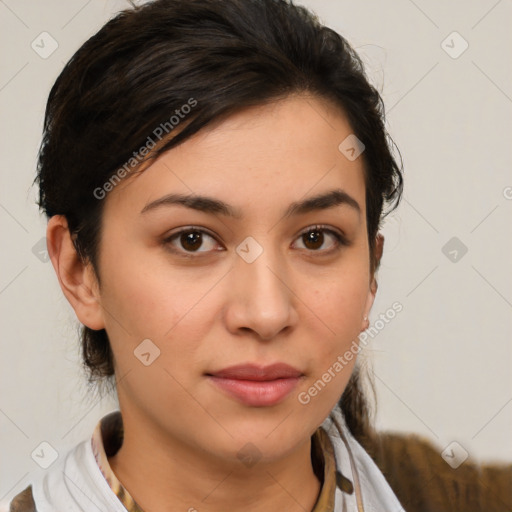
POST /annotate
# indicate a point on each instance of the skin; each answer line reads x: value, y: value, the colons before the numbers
x: 299, y: 303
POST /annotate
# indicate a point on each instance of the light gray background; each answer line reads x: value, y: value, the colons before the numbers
x: 442, y: 366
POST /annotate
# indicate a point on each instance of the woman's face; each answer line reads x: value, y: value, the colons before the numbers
x: 260, y: 287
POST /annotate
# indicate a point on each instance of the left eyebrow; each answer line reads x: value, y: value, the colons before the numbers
x: 323, y: 202
x: 211, y: 205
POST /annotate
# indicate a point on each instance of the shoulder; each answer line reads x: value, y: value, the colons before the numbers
x: 422, y: 480
x: 23, y: 502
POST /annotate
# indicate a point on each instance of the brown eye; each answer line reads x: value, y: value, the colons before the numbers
x: 190, y: 240
x: 315, y: 237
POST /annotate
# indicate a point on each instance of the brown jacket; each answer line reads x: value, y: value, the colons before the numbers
x: 424, y: 482
x: 420, y: 478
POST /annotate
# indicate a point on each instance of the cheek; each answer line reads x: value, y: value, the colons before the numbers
x: 340, y: 299
x: 155, y: 301
x: 339, y: 306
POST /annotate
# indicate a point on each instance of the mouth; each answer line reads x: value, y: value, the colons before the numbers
x: 257, y: 386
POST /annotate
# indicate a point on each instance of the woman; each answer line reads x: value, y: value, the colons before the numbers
x: 215, y: 174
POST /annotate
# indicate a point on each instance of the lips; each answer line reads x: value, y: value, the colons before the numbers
x: 257, y: 373
x: 255, y: 385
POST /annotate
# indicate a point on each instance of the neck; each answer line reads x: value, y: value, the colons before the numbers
x: 180, y: 478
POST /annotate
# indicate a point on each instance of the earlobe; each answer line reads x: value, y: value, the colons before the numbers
x: 372, y: 291
x: 379, y: 248
x: 76, y: 278
x: 368, y: 306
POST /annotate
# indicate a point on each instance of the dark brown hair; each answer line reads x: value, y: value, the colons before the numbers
x: 144, y: 65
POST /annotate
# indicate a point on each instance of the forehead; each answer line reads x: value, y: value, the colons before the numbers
x: 264, y: 156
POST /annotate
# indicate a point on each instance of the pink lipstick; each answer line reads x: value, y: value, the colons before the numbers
x: 257, y: 386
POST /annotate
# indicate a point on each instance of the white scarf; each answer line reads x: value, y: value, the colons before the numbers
x: 371, y: 493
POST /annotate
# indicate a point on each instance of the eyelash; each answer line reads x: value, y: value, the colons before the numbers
x: 341, y: 241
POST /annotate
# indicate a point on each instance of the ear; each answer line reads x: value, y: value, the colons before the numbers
x: 372, y: 291
x: 77, y: 279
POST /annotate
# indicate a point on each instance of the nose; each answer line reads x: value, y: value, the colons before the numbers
x: 261, y: 297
